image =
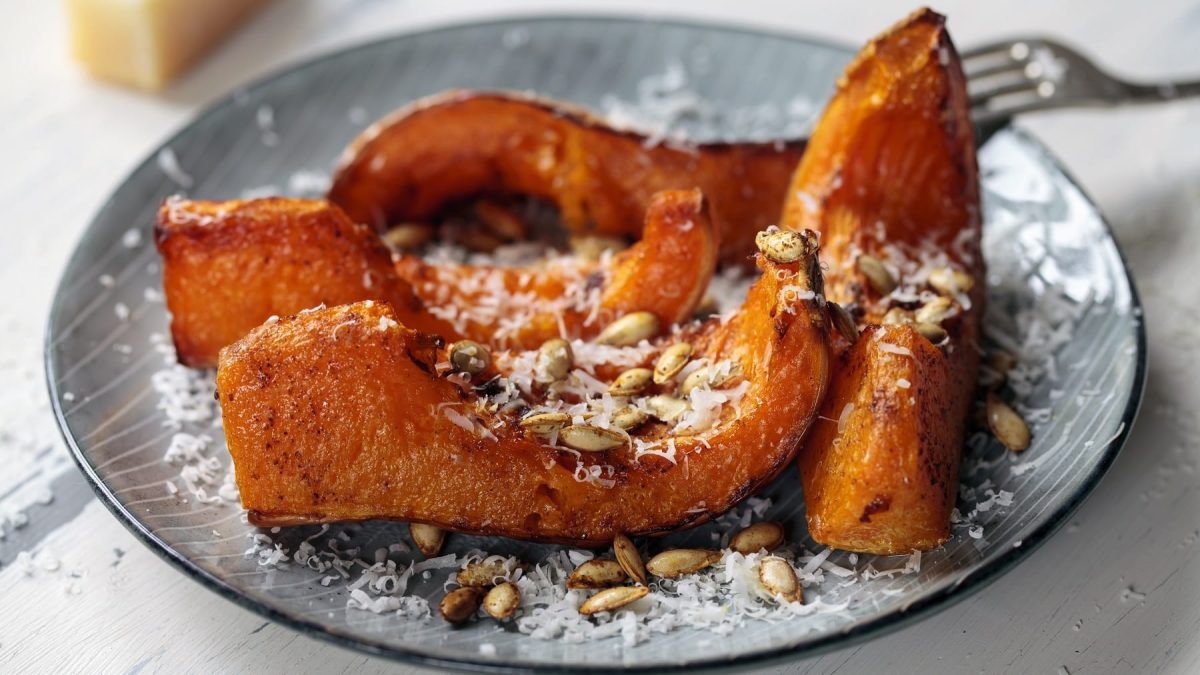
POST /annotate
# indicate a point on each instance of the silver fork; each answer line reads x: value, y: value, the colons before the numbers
x: 1027, y: 74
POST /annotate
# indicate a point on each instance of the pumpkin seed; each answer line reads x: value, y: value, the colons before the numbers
x: 460, y: 604
x: 843, y: 322
x: 476, y: 239
x: 714, y: 381
x: 681, y: 561
x: 501, y: 220
x: 667, y: 408
x: 470, y: 357
x: 587, y: 438
x: 629, y: 330
x: 593, y: 247
x: 781, y: 246
x: 597, y: 573
x: 1006, y: 425
x: 876, y: 273
x: 628, y: 418
x: 779, y: 578
x: 1001, y: 362
x: 897, y: 317
x: 428, y: 538
x: 555, y: 358
x: 611, y: 599
x: 672, y: 360
x: 482, y: 574
x: 950, y: 281
x: 407, y: 236
x: 502, y: 601
x: 631, y: 382
x: 758, y: 537
x: 629, y: 558
x: 931, y: 331
x: 935, y: 311
x: 545, y: 423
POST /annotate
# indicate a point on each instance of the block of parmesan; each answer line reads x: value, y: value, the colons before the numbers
x: 146, y: 43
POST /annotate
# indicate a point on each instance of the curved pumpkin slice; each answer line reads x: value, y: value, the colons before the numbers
x: 665, y: 273
x: 228, y: 266
x: 341, y: 414
x: 890, y: 181
x: 462, y: 144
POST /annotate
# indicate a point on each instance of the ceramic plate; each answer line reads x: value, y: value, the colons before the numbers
x: 1057, y: 286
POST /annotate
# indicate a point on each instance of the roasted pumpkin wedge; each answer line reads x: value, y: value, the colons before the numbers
x: 462, y: 144
x: 891, y: 183
x: 344, y: 414
x: 665, y: 273
x: 228, y: 266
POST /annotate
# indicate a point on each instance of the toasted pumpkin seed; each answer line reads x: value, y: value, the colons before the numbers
x: 628, y: 418
x: 876, y: 273
x: 611, y: 599
x: 781, y: 246
x: 667, y: 408
x: 629, y: 558
x: 587, y: 438
x: 758, y: 537
x: 897, y: 317
x: 1001, y: 362
x: 501, y: 220
x: 482, y: 574
x: 950, y: 281
x: 460, y: 604
x: 629, y: 330
x: 592, y: 247
x: 597, y: 573
x: 714, y: 381
x: 470, y: 357
x: 931, y: 331
x: 1006, y: 424
x: 671, y: 361
x: 680, y: 561
x: 631, y: 382
x: 428, y: 538
x: 935, y: 311
x: 545, y: 423
x: 843, y: 322
x: 502, y: 601
x: 555, y: 358
x: 779, y: 578
x: 407, y: 236
x: 476, y: 238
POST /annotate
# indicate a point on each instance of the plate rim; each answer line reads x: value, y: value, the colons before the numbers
x: 971, y: 583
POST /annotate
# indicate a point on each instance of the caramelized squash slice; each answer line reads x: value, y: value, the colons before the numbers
x: 665, y: 273
x: 341, y: 414
x: 890, y: 173
x: 228, y: 266
x: 463, y: 144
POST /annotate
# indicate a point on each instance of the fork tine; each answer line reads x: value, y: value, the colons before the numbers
x: 990, y: 50
x: 1008, y: 67
x: 979, y: 97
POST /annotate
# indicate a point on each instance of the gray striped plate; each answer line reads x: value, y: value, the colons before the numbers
x: 1057, y: 285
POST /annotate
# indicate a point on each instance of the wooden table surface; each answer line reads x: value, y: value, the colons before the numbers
x: 1118, y: 590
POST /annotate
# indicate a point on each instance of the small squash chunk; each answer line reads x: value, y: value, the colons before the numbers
x: 461, y: 144
x: 890, y: 181
x: 665, y: 273
x: 228, y: 266
x: 340, y: 414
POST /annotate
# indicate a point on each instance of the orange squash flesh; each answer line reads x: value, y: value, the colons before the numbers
x: 890, y: 172
x: 338, y: 414
x: 665, y: 273
x: 228, y: 266
x: 463, y: 144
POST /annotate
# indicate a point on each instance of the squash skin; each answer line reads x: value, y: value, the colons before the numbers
x: 665, y: 273
x: 462, y: 144
x: 228, y: 266
x: 891, y: 168
x: 333, y: 415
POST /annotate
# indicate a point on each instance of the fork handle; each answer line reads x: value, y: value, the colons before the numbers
x: 1162, y: 91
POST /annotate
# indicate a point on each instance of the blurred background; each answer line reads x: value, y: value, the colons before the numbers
x: 96, y: 600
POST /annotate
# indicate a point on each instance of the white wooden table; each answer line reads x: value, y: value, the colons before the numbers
x: 1118, y: 590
